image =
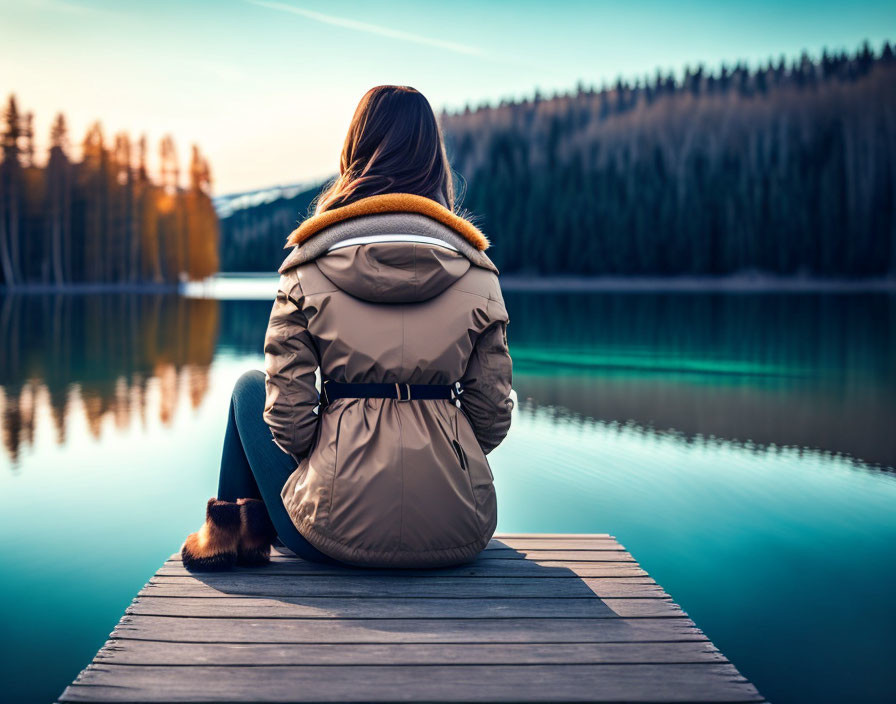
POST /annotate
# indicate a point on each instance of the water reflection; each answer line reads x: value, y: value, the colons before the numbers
x: 654, y: 442
x: 100, y: 355
x: 804, y: 371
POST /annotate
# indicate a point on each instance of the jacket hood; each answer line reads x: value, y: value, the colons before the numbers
x: 393, y: 272
x: 393, y: 248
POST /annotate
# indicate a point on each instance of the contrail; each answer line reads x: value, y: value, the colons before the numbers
x: 372, y: 28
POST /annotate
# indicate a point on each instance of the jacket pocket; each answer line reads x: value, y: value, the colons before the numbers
x: 448, y: 425
x: 465, y: 466
x: 477, y: 469
x: 311, y: 493
x: 335, y: 471
x: 459, y: 451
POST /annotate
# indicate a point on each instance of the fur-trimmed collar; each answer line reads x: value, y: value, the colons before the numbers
x: 383, y: 224
x: 389, y: 203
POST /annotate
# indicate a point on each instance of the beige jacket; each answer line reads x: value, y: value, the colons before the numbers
x: 392, y: 288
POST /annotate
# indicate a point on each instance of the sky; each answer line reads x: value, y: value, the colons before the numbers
x: 267, y: 88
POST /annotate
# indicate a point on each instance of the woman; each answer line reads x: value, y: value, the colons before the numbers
x: 390, y: 295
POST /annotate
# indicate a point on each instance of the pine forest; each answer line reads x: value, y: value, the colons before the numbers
x: 101, y: 219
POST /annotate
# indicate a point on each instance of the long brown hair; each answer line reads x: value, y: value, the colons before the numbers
x: 393, y: 145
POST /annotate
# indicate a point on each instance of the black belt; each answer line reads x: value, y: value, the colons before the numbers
x: 400, y: 392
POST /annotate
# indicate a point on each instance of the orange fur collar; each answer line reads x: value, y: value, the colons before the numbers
x: 390, y: 203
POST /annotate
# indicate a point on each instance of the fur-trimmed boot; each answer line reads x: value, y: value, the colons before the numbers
x: 256, y: 533
x: 216, y: 544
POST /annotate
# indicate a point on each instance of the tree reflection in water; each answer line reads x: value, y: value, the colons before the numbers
x: 793, y: 370
x: 101, y: 354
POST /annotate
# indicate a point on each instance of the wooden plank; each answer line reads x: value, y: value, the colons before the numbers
x: 233, y: 584
x: 585, y: 554
x: 481, y: 568
x: 566, y: 555
x: 563, y: 537
x: 528, y: 544
x: 143, y: 652
x: 439, y: 630
x: 329, y: 607
x: 534, y: 618
x: 443, y: 683
x: 539, y: 543
x: 554, y: 544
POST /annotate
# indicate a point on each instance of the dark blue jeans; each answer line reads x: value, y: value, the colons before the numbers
x: 253, y: 467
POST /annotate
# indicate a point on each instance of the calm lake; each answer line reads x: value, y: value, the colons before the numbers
x: 741, y: 446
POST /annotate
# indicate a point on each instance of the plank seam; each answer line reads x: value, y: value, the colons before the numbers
x: 420, y: 664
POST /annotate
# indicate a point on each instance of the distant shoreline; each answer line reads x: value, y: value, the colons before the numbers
x: 738, y: 283
x: 85, y: 288
x: 735, y: 283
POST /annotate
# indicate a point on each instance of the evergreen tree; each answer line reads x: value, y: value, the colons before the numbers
x: 34, y: 233
x: 125, y: 236
x: 93, y: 183
x: 11, y: 185
x: 171, y: 225
x: 147, y: 196
x: 202, y: 225
x: 59, y: 202
x: 102, y: 219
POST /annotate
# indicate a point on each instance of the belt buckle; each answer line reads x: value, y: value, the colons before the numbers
x: 456, y: 390
x: 398, y: 391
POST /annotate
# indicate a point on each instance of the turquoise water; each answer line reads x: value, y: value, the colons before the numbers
x: 741, y: 446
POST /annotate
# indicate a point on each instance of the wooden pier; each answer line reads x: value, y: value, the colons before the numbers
x: 535, y: 618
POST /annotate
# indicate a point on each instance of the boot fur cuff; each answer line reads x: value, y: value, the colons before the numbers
x: 215, y: 545
x: 257, y: 532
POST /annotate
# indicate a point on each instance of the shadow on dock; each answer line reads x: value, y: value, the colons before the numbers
x: 533, y: 618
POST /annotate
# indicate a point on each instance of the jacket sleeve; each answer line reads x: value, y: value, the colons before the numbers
x: 486, y: 384
x: 291, y: 359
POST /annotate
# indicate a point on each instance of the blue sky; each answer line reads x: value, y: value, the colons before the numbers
x: 267, y: 87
